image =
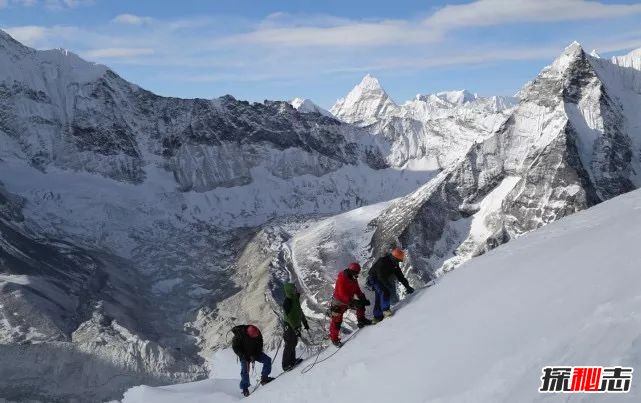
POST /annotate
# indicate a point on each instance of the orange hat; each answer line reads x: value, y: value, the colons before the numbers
x: 252, y: 331
x: 398, y: 254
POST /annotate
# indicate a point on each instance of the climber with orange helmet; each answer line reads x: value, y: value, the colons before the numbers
x: 344, y: 292
x: 248, y: 346
x: 381, y: 280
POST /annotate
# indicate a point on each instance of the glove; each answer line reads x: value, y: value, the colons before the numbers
x: 365, y: 301
x: 409, y: 289
x: 298, y: 333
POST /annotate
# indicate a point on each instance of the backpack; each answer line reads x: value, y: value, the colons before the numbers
x: 237, y: 340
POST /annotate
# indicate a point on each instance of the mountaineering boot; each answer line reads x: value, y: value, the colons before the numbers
x: 290, y: 367
x: 388, y: 313
x: 245, y: 392
x: 265, y: 380
x: 364, y: 322
x: 376, y: 320
x: 337, y: 343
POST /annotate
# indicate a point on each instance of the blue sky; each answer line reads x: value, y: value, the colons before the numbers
x: 260, y: 49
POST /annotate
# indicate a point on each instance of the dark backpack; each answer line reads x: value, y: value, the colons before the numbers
x: 237, y: 340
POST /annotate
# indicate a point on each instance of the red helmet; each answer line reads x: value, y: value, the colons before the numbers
x: 355, y: 267
x: 252, y: 331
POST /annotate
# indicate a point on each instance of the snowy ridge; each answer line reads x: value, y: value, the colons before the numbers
x: 632, y: 59
x: 471, y: 343
x: 58, y: 68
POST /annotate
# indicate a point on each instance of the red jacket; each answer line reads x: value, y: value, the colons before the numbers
x: 346, y: 288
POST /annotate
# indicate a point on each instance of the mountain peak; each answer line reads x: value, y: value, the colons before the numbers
x: 304, y: 105
x: 364, y: 103
x: 573, y: 50
x: 574, y: 46
x: 570, y: 54
x: 370, y: 82
x: 458, y: 97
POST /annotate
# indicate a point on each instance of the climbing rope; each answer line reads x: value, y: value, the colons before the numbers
x: 278, y: 349
x: 309, y: 367
x: 317, y: 361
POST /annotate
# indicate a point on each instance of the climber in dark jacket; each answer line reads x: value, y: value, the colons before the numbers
x: 248, y: 346
x: 381, y: 278
x: 294, y: 320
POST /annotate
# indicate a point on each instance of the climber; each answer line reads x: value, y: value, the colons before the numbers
x: 294, y: 320
x: 344, y: 292
x: 248, y: 346
x: 380, y: 279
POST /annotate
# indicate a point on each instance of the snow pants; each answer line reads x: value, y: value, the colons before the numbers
x: 244, y: 369
x: 382, y: 300
x: 289, y: 350
x: 337, y: 319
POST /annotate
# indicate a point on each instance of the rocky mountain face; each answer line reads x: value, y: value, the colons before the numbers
x: 135, y: 230
x: 572, y: 142
x: 65, y: 112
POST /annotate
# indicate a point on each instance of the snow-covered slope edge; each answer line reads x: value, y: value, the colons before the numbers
x: 566, y: 294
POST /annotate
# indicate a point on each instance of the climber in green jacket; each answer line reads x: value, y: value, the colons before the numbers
x: 294, y: 319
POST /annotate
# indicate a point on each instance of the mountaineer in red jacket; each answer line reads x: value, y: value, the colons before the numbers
x: 344, y: 292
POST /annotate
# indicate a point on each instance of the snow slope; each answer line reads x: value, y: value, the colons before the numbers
x: 567, y: 294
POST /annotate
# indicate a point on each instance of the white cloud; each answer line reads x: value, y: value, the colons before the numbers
x: 281, y: 29
x: 350, y: 34
x: 119, y: 53
x: 28, y: 35
x: 131, y: 19
x: 62, y: 4
x: 496, y: 12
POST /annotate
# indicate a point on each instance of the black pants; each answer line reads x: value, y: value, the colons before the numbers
x: 289, y: 351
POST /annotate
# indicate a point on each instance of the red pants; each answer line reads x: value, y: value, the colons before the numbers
x: 337, y: 320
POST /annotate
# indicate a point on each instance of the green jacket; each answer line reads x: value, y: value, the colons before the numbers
x: 291, y: 306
